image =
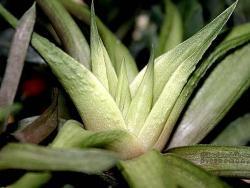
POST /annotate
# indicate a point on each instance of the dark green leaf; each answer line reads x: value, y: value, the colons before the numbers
x: 186, y: 174
x: 32, y: 180
x: 220, y: 160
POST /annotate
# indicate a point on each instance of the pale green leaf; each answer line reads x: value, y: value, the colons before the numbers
x: 72, y: 135
x: 122, y: 96
x: 32, y: 157
x: 102, y: 67
x: 146, y: 171
x: 69, y: 33
x: 217, y: 95
x: 236, y: 133
x: 188, y: 52
x: 171, y: 30
x: 186, y: 174
x: 184, y: 60
x: 116, y: 50
x: 141, y: 103
x: 88, y: 94
x: 220, y: 160
x: 238, y: 36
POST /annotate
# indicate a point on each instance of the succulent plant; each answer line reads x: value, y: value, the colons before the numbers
x: 136, y: 115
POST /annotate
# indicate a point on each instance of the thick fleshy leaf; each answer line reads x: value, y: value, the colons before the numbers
x: 141, y: 103
x: 188, y: 175
x: 146, y: 171
x: 72, y: 135
x: 154, y: 170
x: 67, y: 30
x: 220, y: 91
x: 42, y: 127
x: 106, y: 118
x: 184, y: 60
x: 122, y: 95
x: 116, y: 50
x: 16, y: 58
x: 220, y: 160
x: 102, y: 67
x: 171, y: 29
x: 32, y: 157
x: 88, y: 94
x: 238, y: 36
x: 32, y: 180
x: 101, y: 98
x: 235, y: 134
x: 187, y: 53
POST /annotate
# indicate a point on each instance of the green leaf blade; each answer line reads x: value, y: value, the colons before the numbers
x: 80, y: 83
x: 123, y: 96
x: 116, y: 50
x: 141, y: 103
x: 238, y: 36
x: 164, y: 104
x: 72, y: 135
x: 102, y: 67
x: 69, y: 33
x: 191, y: 49
x: 31, y: 157
x: 188, y: 175
x: 32, y: 180
x: 232, y: 76
x: 220, y: 160
x: 146, y: 171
